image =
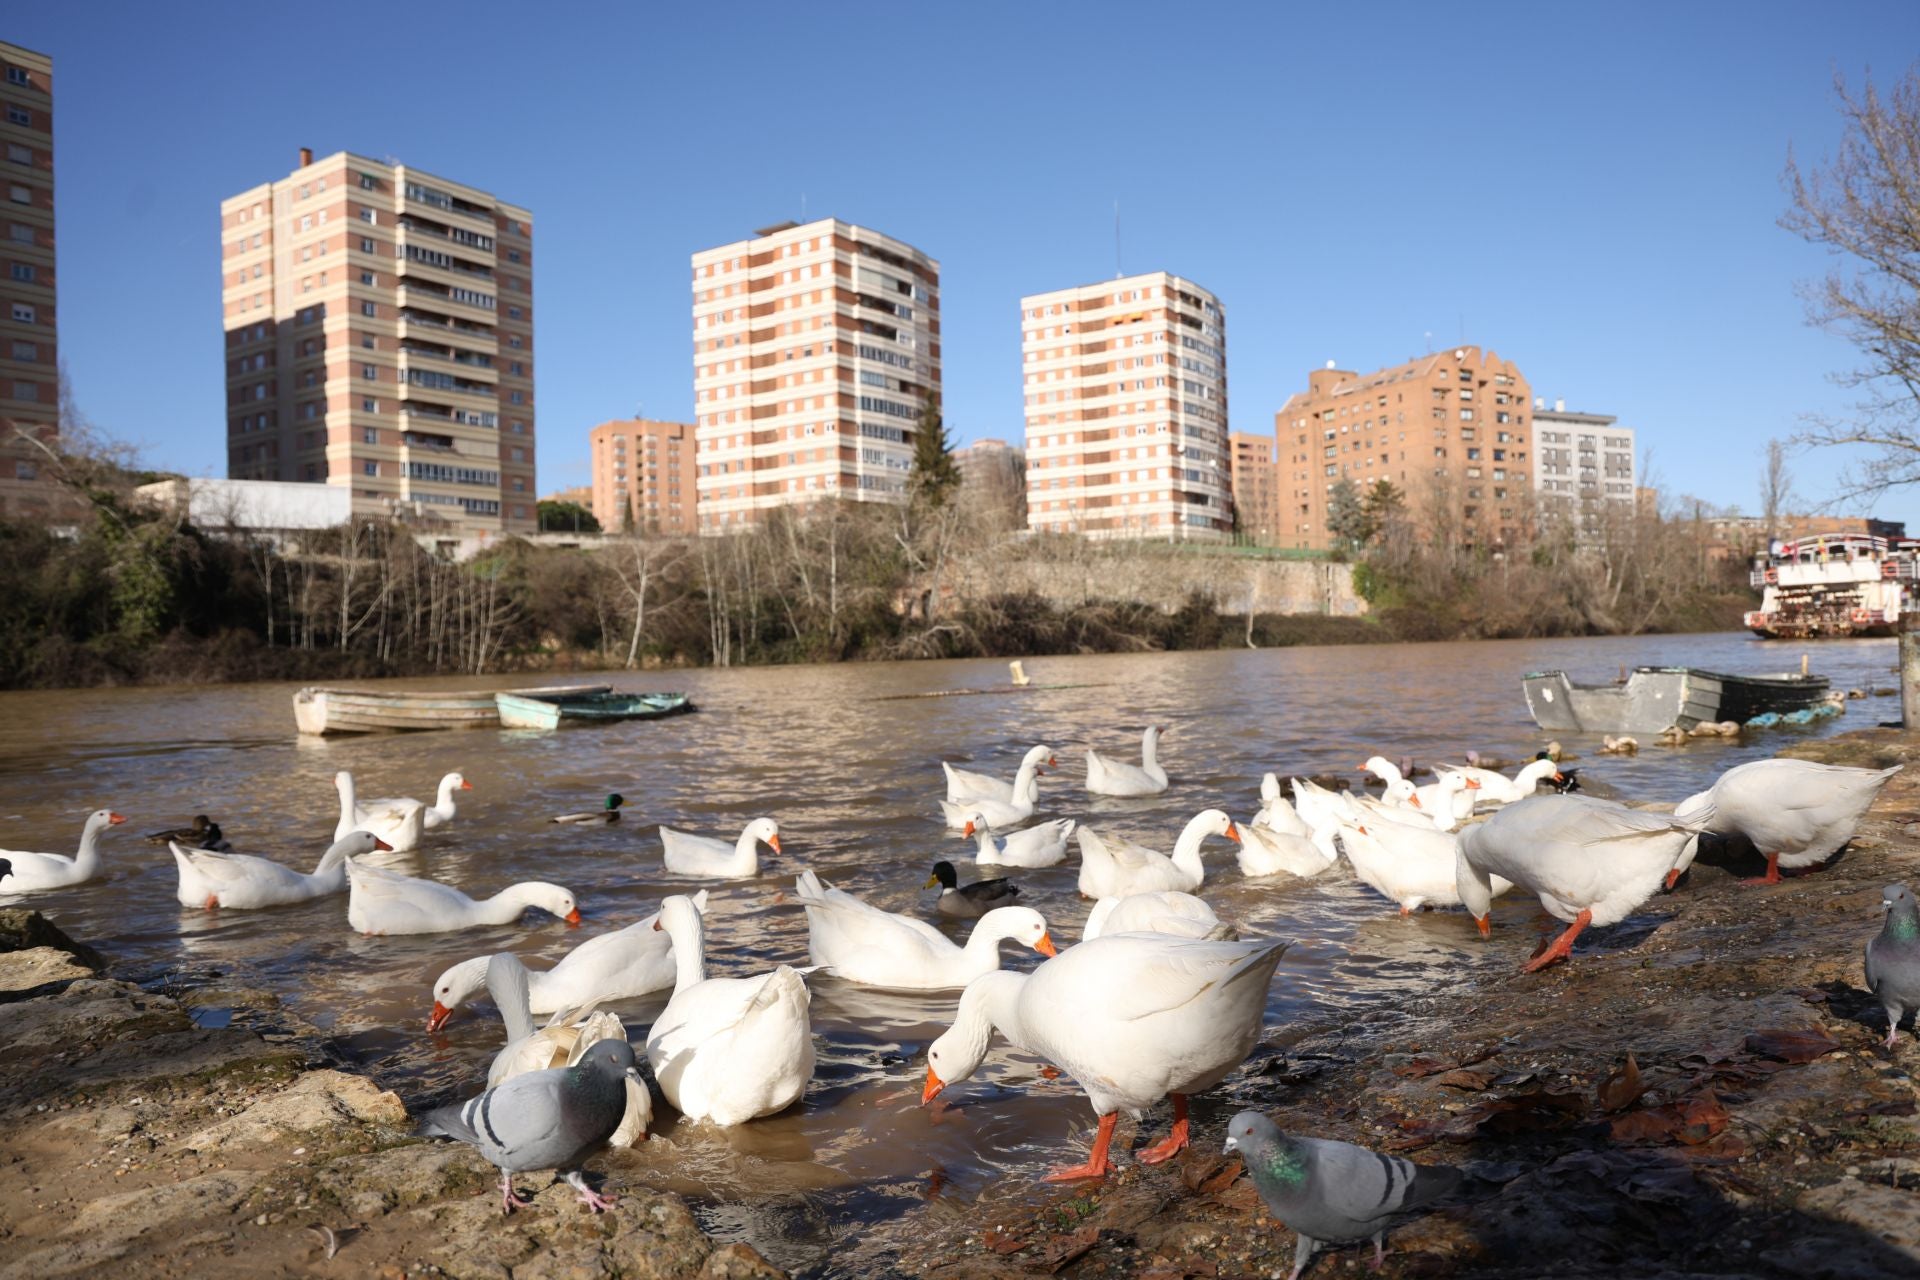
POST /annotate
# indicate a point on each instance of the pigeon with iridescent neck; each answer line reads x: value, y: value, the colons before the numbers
x: 1333, y: 1193
x: 1893, y: 958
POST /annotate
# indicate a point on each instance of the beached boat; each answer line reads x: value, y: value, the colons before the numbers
x: 324, y: 710
x: 1835, y: 585
x: 1654, y: 698
x: 524, y: 710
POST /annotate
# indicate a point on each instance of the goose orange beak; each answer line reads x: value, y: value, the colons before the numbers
x: 1361, y: 830
x: 1045, y: 947
x: 934, y: 1085
x: 465, y: 785
x: 1673, y: 877
x: 378, y: 843
x: 573, y: 918
x: 969, y: 830
x: 656, y: 924
x: 1233, y: 833
x: 1486, y: 929
x: 115, y: 819
x: 1415, y: 802
x: 773, y: 842
x: 1052, y: 763
x: 1558, y: 776
x: 438, y: 1018
x: 1473, y: 784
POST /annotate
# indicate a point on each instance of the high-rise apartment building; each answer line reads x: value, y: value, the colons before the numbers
x: 30, y: 361
x: 993, y: 479
x: 1583, y: 469
x: 815, y: 348
x: 643, y: 476
x: 1126, y: 408
x: 1451, y: 431
x: 1256, y: 488
x: 379, y: 336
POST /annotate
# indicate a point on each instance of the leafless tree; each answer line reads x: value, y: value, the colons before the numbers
x: 1776, y: 487
x: 1863, y: 206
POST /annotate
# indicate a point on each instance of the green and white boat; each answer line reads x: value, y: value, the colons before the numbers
x: 531, y: 711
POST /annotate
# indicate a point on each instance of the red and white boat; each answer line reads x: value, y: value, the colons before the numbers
x: 1835, y: 585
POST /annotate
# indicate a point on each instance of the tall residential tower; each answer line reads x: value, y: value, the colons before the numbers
x: 30, y: 361
x: 379, y: 337
x: 1126, y: 406
x: 815, y: 349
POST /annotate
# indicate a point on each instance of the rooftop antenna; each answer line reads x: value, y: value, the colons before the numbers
x: 1117, y: 272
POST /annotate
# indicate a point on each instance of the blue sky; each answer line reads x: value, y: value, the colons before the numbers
x: 1590, y: 190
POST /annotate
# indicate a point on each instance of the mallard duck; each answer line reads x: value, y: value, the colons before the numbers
x: 203, y: 834
x: 609, y: 812
x: 969, y: 901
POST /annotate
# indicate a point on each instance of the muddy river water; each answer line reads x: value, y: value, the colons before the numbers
x: 848, y: 762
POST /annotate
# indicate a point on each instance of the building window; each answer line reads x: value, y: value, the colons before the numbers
x: 18, y: 75
x: 20, y: 116
x: 25, y: 471
x: 22, y: 272
x: 517, y: 398
x: 370, y: 372
x: 370, y: 468
x: 368, y: 309
x: 367, y: 277
x: 21, y: 233
x: 367, y: 215
x: 29, y: 391
x: 370, y: 436
x: 19, y: 154
x: 19, y: 194
x: 25, y: 351
x: 369, y: 404
x: 22, y: 313
x: 366, y: 182
x: 517, y: 369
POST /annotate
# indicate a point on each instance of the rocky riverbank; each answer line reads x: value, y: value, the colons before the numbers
x: 1701, y: 1092
x: 134, y: 1140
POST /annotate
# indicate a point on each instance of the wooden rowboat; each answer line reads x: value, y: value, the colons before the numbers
x: 324, y: 710
x: 1652, y: 698
x: 534, y: 710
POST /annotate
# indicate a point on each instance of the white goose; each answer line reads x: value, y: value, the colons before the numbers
x: 1317, y: 806
x: 1796, y: 812
x: 383, y: 902
x: 1497, y: 788
x: 613, y: 966
x: 691, y: 855
x: 1384, y: 769
x: 1411, y: 862
x: 1044, y: 845
x: 34, y: 871
x: 398, y: 821
x: 728, y: 1049
x: 1180, y: 914
x: 1008, y: 813
x: 560, y: 1043
x: 1114, y: 867
x: 861, y: 943
x: 239, y: 881
x: 1132, y: 1017
x: 442, y: 810
x: 1590, y: 861
x: 1109, y: 777
x: 964, y: 784
x: 1266, y: 852
x: 1275, y: 812
x: 1447, y: 802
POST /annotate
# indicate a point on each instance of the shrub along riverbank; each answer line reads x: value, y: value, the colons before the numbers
x: 141, y: 595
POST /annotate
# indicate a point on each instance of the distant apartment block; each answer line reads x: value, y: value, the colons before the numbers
x: 643, y: 476
x: 30, y: 359
x: 1125, y: 387
x: 995, y: 473
x: 1451, y: 430
x: 379, y: 337
x: 1256, y: 487
x: 1583, y: 469
x: 815, y: 348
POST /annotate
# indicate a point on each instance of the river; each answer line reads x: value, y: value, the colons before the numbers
x: 850, y: 768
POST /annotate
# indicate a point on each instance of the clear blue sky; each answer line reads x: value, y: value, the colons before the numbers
x: 1591, y: 190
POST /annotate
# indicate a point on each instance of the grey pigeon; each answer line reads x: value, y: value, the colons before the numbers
x: 1893, y: 958
x: 550, y: 1119
x: 1333, y: 1192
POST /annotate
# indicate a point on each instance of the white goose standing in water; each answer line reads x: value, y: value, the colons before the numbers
x: 1109, y: 777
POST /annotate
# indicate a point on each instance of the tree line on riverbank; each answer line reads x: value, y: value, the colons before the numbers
x: 139, y: 593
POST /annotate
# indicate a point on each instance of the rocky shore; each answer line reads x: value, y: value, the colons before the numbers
x: 1701, y: 1092
x: 136, y: 1141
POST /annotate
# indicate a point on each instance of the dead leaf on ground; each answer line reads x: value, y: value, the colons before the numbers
x: 1693, y: 1121
x: 1462, y: 1078
x: 1623, y: 1087
x: 1792, y: 1044
x: 1064, y: 1249
x: 1003, y: 1241
x: 1535, y: 1112
x: 1208, y: 1179
x: 1419, y: 1067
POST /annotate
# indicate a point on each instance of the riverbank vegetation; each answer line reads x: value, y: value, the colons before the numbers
x: 133, y: 591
